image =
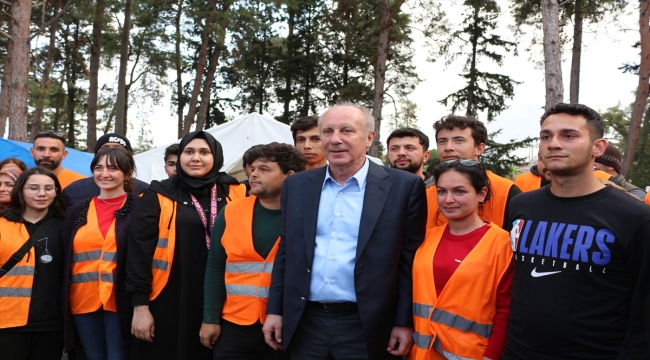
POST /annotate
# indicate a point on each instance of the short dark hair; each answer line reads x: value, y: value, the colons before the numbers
x: 303, y: 124
x: 594, y: 121
x: 247, y: 154
x: 449, y: 122
x: 476, y: 175
x: 287, y: 157
x: 51, y: 134
x: 17, y: 203
x: 13, y: 160
x: 120, y: 158
x: 409, y: 132
x: 171, y: 150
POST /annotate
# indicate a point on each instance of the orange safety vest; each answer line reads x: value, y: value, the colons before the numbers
x: 601, y: 175
x: 16, y: 285
x: 493, y: 210
x: 647, y: 198
x: 236, y: 192
x: 248, y: 275
x: 528, y: 182
x: 458, y: 324
x: 93, y: 267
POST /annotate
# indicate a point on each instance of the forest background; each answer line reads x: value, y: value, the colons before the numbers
x: 157, y: 69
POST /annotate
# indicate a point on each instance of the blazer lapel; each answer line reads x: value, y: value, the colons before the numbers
x: 377, y: 190
x: 310, y: 199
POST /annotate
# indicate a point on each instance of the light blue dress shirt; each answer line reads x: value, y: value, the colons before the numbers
x: 337, y: 233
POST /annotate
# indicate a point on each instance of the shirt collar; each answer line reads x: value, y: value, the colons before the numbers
x: 360, y: 176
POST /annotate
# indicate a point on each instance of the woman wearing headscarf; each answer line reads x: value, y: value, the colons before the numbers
x: 167, y: 251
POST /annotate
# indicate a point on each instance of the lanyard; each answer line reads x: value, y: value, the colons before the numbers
x: 213, y: 213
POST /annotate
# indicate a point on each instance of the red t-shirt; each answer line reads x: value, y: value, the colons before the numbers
x: 451, y: 251
x: 106, y: 209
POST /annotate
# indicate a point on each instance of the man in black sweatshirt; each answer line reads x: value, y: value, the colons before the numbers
x: 582, y: 253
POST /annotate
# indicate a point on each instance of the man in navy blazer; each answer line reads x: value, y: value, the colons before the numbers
x: 341, y: 283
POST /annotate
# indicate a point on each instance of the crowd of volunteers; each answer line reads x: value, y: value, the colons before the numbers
x: 323, y: 254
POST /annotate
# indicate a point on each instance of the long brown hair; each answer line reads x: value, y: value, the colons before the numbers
x: 17, y: 205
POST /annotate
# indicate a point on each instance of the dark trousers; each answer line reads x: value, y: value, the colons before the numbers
x: 244, y: 342
x: 31, y: 345
x: 324, y: 335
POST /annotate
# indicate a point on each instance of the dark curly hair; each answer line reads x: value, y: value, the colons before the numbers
x: 450, y: 122
x: 303, y: 124
x: 594, y: 121
x: 287, y: 157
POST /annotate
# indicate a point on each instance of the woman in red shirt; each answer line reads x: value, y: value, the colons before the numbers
x: 462, y: 272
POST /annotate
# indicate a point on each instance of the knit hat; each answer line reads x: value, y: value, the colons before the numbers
x: 611, y: 157
x: 12, y: 173
x: 113, y: 138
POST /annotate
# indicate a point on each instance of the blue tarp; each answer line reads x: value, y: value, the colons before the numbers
x: 77, y: 161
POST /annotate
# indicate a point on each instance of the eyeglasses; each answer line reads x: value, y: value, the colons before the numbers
x: 463, y: 162
x: 36, y: 189
x: 50, y: 133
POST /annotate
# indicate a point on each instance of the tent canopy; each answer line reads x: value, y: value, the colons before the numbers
x: 235, y: 137
x: 77, y: 161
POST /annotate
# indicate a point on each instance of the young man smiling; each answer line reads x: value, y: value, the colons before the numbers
x: 582, y: 256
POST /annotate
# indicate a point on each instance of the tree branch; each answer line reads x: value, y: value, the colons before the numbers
x: 54, y: 19
x: 6, y: 35
x: 6, y: 3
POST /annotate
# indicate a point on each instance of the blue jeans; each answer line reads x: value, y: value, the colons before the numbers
x: 99, y: 332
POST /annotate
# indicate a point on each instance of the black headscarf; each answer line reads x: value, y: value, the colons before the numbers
x: 209, y: 179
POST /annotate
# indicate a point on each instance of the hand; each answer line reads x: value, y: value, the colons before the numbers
x: 401, y: 340
x: 142, y: 326
x: 272, y: 330
x: 209, y: 334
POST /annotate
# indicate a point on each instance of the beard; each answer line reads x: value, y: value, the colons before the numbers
x: 575, y: 167
x: 411, y: 167
x: 48, y: 164
x: 264, y: 193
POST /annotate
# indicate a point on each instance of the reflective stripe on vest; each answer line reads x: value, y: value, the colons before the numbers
x: 15, y: 285
x: 458, y: 323
x: 248, y: 275
x: 163, y: 255
x: 493, y: 210
x: 93, y: 266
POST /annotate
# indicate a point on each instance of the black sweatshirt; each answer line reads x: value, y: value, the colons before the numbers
x: 581, y: 276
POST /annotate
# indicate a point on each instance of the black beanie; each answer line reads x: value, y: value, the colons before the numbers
x: 611, y: 157
x: 113, y: 138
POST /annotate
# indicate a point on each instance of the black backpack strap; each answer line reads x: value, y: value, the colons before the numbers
x: 18, y: 255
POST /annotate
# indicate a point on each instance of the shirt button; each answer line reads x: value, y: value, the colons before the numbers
x: 338, y: 214
x: 328, y: 281
x: 331, y: 257
x: 334, y: 236
x: 340, y: 192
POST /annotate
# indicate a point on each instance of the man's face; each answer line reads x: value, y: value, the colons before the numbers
x: 266, y: 178
x: 48, y: 152
x: 343, y: 136
x: 565, y: 145
x: 407, y: 153
x: 309, y: 144
x: 457, y: 144
x: 170, y: 165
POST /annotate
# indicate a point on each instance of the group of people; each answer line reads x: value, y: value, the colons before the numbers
x: 323, y: 254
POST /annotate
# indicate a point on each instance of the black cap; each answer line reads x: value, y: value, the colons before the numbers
x: 113, y: 138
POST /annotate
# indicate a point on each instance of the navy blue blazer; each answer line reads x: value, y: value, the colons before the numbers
x: 392, y: 227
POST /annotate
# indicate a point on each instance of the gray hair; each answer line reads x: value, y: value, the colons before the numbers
x: 368, y: 119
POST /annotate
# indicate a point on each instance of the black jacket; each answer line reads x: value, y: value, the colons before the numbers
x: 75, y: 218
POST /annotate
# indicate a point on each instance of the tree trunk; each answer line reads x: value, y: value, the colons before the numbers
x: 380, y: 73
x: 200, y: 69
x: 71, y: 80
x: 642, y: 88
x: 95, y: 54
x: 4, y: 90
x: 179, y: 68
x: 471, y: 87
x: 552, y: 53
x: 574, y: 86
x: 38, y: 114
x: 207, y: 85
x: 18, y: 92
x: 288, y: 66
x: 120, y: 116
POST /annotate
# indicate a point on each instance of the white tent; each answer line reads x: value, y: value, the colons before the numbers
x: 235, y: 137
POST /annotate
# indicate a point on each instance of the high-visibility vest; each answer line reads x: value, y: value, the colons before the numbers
x: 528, y: 182
x: 248, y: 275
x: 93, y: 267
x: 601, y: 175
x: 161, y: 265
x: 236, y: 192
x: 647, y: 198
x: 458, y: 323
x: 493, y: 210
x: 16, y: 285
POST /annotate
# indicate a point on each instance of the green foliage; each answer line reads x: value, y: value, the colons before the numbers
x: 432, y: 162
x: 500, y: 158
x: 405, y: 116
